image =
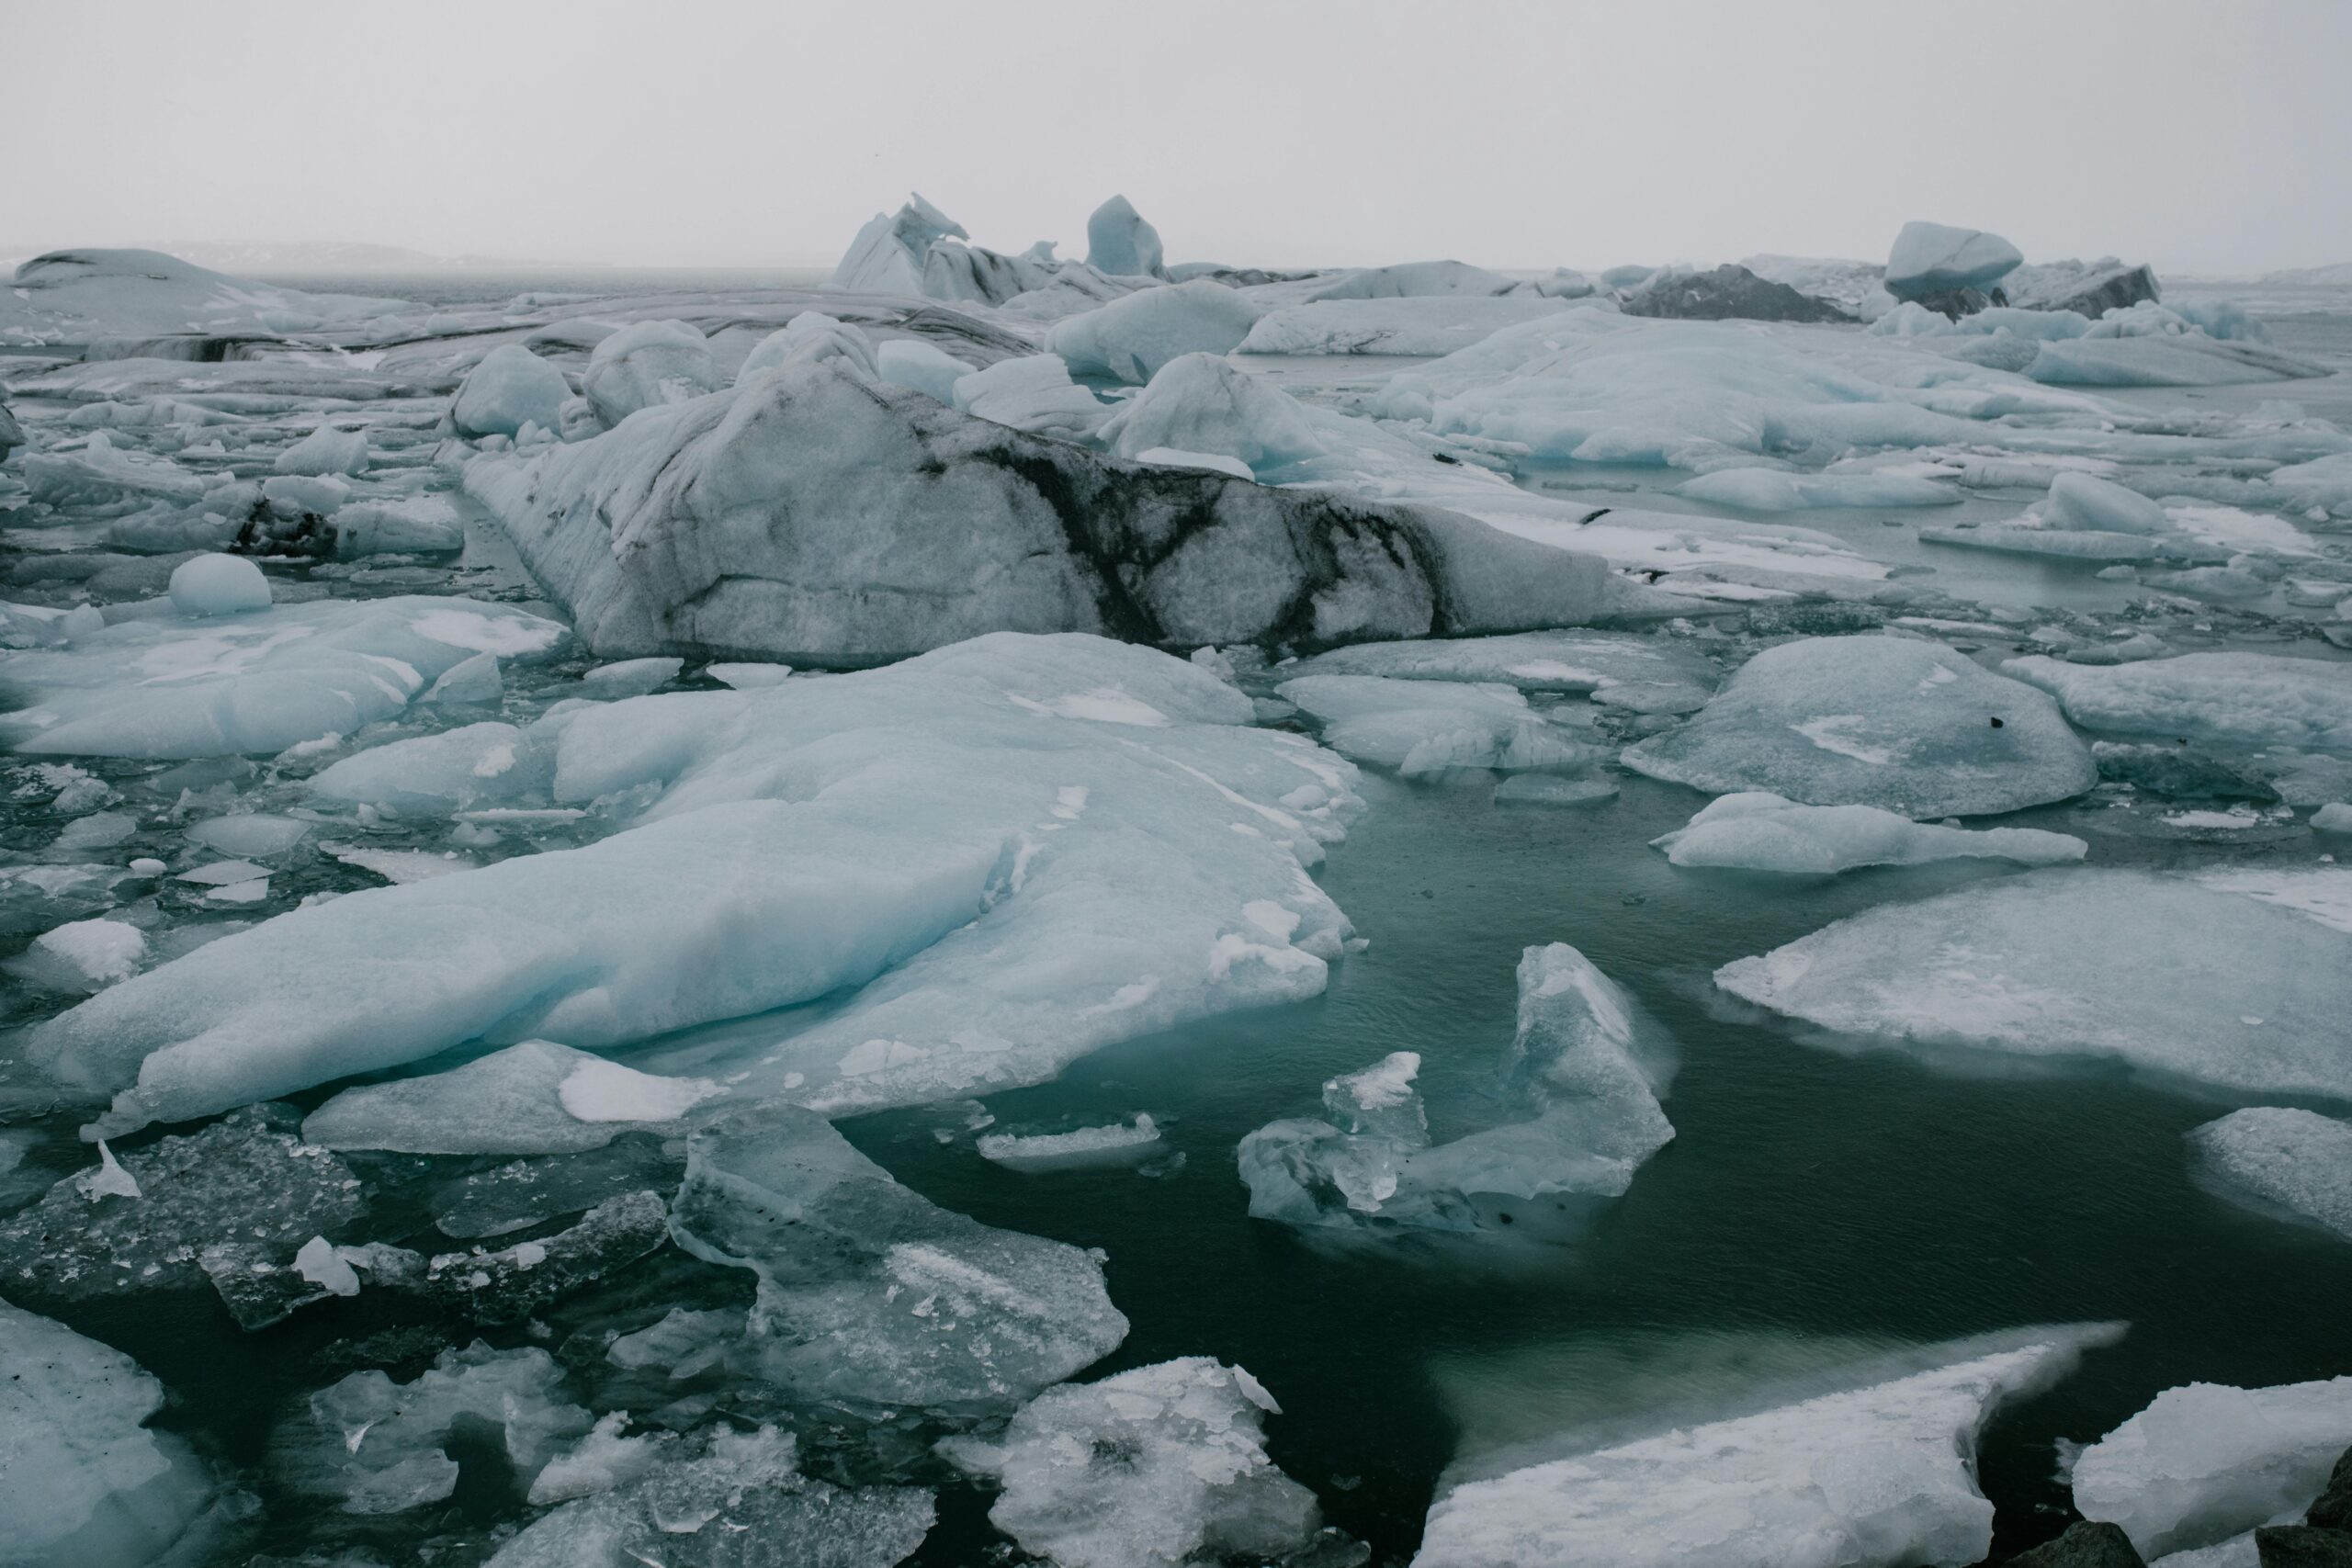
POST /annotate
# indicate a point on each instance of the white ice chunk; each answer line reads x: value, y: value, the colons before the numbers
x: 1766, y: 833
x: 1119, y: 1138
x: 1158, y: 1465
x: 1903, y: 725
x: 83, y: 955
x: 1203, y: 402
x: 509, y: 388
x: 632, y: 677
x: 325, y: 450
x: 910, y: 362
x: 1421, y: 727
x: 2207, y: 1461
x: 1932, y: 259
x: 2224, y: 699
x: 537, y: 1097
x: 2157, y: 972
x: 648, y: 363
x: 2295, y: 1160
x: 218, y: 585
x: 2085, y: 501
x: 1034, y: 393
x: 1132, y: 339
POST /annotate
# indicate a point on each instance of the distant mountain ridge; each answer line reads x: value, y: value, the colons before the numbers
x: 306, y: 256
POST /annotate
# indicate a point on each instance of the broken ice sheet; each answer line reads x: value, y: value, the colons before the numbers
x: 537, y: 1097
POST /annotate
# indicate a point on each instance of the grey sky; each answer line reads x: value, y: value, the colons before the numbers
x: 2203, y: 137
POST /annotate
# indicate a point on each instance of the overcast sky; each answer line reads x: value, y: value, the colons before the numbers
x: 2202, y: 137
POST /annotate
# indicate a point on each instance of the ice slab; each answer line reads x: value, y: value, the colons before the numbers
x: 1766, y: 833
x: 174, y: 687
x: 1905, y: 726
x: 2298, y: 1161
x: 1162, y: 1464
x: 1048, y: 843
x: 1131, y: 339
x: 536, y: 1098
x: 2208, y: 1462
x: 817, y: 513
x: 2159, y: 973
x: 1204, y: 403
x: 1933, y: 258
x: 2232, y: 699
x: 86, y: 1481
x: 870, y: 1292
x: 1420, y: 728
x: 1875, y: 1477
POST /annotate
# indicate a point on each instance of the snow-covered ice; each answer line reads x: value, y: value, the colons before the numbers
x: 2298, y: 1161
x: 2206, y: 1461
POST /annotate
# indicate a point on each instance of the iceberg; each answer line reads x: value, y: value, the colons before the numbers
x: 1130, y: 339
x: 2216, y: 699
x: 887, y: 255
x: 1905, y: 726
x: 2156, y: 972
x: 510, y: 387
x: 1581, y: 1078
x: 722, y: 1499
x: 1725, y: 293
x: 1119, y: 1139
x: 1766, y: 833
x: 2295, y: 1161
x: 2206, y: 1461
x: 1935, y: 258
x: 88, y: 1480
x: 870, y: 1292
x: 1875, y: 1477
x: 1153, y: 1467
x: 73, y: 299
x: 647, y: 364
x: 818, y: 514
x: 1420, y: 728
x: 1410, y: 280
x: 2088, y: 289
x: 1119, y: 242
x: 1204, y: 403
x: 208, y: 685
x: 1031, y: 393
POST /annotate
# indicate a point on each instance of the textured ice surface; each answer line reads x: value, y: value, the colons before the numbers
x: 475, y: 765
x: 1876, y: 1477
x: 2157, y: 972
x: 887, y: 255
x: 1155, y: 1467
x: 911, y: 363
x: 1119, y: 1138
x: 537, y: 1097
x: 510, y: 1283
x: 812, y: 334
x: 817, y: 512
x: 646, y: 365
x: 1131, y: 339
x: 724, y: 1499
x: 1905, y: 726
x: 82, y: 1479
x: 2226, y: 699
x: 1931, y: 258
x: 2208, y: 1462
x: 378, y: 1447
x: 243, y: 1181
x: 1773, y: 489
x: 170, y: 685
x: 1203, y: 402
x: 869, y: 1291
x: 1426, y: 727
x: 2295, y: 1160
x: 1412, y: 325
x: 510, y: 387
x: 1579, y: 1081
x: 1766, y: 833
x: 1033, y: 393
x: 1050, y: 844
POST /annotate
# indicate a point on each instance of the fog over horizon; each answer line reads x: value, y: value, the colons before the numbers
x: 1514, y: 136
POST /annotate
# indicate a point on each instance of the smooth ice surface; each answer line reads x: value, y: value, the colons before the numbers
x: 1930, y: 258
x: 510, y: 387
x: 1579, y: 1084
x: 646, y: 365
x: 1766, y: 833
x: 1877, y: 1477
x: 218, y: 585
x: 2296, y: 1160
x: 722, y: 1498
x: 82, y: 1478
x: 1905, y: 726
x: 916, y: 364
x: 1151, y: 1468
x: 172, y: 685
x: 536, y: 1098
x: 2156, y: 972
x: 2222, y: 699
x: 1120, y: 242
x: 1427, y: 726
x: 868, y: 1292
x: 1131, y: 339
x: 2207, y: 1461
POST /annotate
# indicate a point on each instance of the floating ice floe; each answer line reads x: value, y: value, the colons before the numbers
x: 1130, y: 339
x: 85, y: 1480
x: 815, y: 512
x: 2159, y: 973
x: 1905, y: 726
x: 173, y: 685
x: 1421, y: 727
x: 868, y: 1292
x: 537, y: 1097
x: 2298, y: 1161
x: 2207, y: 1461
x: 2232, y: 699
x: 716, y: 1500
x: 1876, y: 1477
x: 1118, y: 1140
x: 1581, y: 1078
x: 80, y: 955
x: 1767, y: 832
x: 1151, y: 1468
